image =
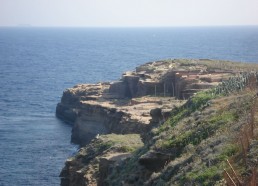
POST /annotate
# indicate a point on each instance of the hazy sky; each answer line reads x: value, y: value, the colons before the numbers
x: 120, y: 13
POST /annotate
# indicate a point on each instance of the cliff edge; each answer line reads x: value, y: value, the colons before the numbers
x: 139, y: 100
x: 160, y: 103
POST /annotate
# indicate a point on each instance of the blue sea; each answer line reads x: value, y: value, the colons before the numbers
x: 37, y: 64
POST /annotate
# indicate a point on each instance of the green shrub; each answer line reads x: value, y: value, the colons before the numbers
x: 206, y: 176
x: 227, y: 152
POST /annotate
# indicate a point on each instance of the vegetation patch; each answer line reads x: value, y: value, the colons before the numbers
x: 193, y: 124
x: 195, y: 103
x: 199, y: 133
x: 205, y: 176
x: 228, y: 151
x: 122, y: 143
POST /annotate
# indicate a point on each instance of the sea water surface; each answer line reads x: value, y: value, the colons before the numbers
x: 37, y: 64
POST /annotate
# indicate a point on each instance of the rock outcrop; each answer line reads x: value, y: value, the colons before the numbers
x: 140, y: 101
x: 93, y: 163
x: 124, y: 106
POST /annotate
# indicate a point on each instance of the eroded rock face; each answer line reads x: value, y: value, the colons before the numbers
x: 66, y: 112
x: 96, y: 119
x: 125, y: 106
x: 154, y: 161
x: 94, y: 162
x: 119, y: 89
x: 139, y: 101
x: 156, y: 114
x: 107, y: 163
x: 93, y: 120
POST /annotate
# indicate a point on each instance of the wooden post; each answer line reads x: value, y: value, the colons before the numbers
x: 231, y: 180
x: 234, y: 172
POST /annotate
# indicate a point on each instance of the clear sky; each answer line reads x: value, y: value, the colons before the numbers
x: 124, y: 13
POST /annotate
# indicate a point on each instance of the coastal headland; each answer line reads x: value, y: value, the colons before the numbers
x: 132, y: 130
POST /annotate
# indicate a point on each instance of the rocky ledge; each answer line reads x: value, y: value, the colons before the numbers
x: 139, y: 100
x: 93, y: 163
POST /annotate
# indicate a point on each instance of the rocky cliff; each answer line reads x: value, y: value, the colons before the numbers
x: 124, y: 106
x: 141, y: 103
x: 93, y: 110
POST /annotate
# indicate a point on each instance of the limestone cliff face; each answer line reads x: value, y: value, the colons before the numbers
x: 124, y: 106
x: 90, y: 118
x: 139, y: 101
x: 177, y: 78
x: 96, y: 119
